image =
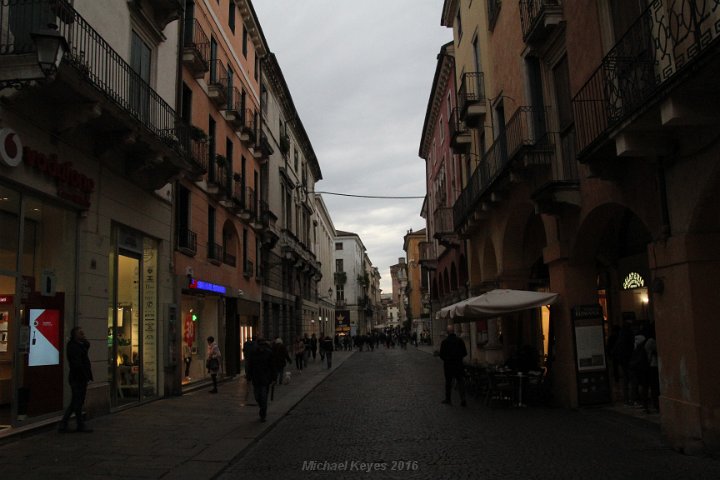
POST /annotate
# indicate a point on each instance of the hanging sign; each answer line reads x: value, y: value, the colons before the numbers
x: 633, y: 280
x: 10, y: 147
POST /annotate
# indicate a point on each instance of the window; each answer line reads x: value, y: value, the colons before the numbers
x: 339, y: 265
x: 458, y: 22
x: 231, y: 16
x: 296, y: 160
x: 213, y: 148
x: 340, y: 289
x: 244, y: 42
x: 257, y: 67
x: 186, y: 111
x: 213, y: 62
x: 140, y: 56
x: 211, y: 225
x: 338, y: 246
x: 229, y: 164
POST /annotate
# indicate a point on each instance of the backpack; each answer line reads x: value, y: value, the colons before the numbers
x: 639, y: 359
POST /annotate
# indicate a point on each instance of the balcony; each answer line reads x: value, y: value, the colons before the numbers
x: 94, y: 90
x: 284, y: 143
x: 218, y: 84
x: 247, y: 130
x: 471, y: 99
x: 340, y: 278
x: 562, y: 190
x: 538, y: 18
x: 523, y: 145
x: 218, y: 178
x: 460, y: 137
x: 263, y: 149
x: 644, y: 86
x: 196, y: 50
x: 195, y: 146
x: 233, y: 110
x: 261, y: 221
x: 428, y: 255
x: 186, y: 241
x: 247, y: 205
x: 216, y: 253
x: 444, y: 228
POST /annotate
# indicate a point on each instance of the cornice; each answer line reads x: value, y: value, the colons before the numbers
x: 443, y: 73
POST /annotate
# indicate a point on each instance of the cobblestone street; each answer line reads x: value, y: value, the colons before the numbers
x: 376, y: 410
x: 382, y: 410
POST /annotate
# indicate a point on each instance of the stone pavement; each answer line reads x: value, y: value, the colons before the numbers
x: 376, y: 411
x: 194, y: 436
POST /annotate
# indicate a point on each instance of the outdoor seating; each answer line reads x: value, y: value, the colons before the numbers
x: 500, y: 389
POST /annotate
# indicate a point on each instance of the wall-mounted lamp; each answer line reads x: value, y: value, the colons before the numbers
x: 51, y: 46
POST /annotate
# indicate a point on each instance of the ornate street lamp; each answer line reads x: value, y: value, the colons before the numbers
x: 51, y: 46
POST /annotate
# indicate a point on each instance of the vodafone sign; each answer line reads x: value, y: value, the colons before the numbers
x: 11, y: 150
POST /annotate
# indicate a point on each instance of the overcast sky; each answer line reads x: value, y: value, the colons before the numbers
x: 360, y: 74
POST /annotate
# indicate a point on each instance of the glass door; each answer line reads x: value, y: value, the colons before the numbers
x: 125, y: 332
x: 7, y: 347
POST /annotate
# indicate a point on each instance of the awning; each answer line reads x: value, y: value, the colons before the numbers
x: 496, y: 303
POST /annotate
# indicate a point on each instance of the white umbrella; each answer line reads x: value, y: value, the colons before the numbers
x: 496, y: 303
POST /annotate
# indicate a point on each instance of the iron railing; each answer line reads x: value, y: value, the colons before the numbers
x: 195, y: 38
x: 667, y: 38
x: 234, y: 101
x: 218, y: 76
x: 264, y: 146
x: 219, y: 175
x: 194, y: 148
x: 472, y: 90
x: 457, y: 128
x: 524, y: 136
x: 91, y: 55
x: 443, y: 220
x: 531, y: 11
x: 248, y: 129
x: 216, y: 252
x: 187, y: 240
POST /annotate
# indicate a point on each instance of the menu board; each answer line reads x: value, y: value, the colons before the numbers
x: 591, y: 365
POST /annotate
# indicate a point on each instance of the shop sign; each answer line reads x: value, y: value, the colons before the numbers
x: 10, y: 147
x: 633, y: 280
x: 210, y: 287
x: 72, y: 184
x: 342, y: 321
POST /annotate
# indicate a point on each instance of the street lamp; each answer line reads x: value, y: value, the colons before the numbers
x: 51, y: 46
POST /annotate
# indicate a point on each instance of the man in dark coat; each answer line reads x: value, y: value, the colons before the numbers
x: 80, y: 375
x: 262, y: 373
x: 326, y: 347
x: 452, y: 352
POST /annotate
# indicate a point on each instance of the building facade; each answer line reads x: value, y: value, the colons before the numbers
x: 290, y: 268
x: 351, y: 283
x: 399, y: 277
x: 417, y: 282
x: 90, y: 147
x: 325, y: 253
x: 591, y: 171
x: 217, y: 215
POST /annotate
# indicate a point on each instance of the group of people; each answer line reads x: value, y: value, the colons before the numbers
x: 633, y: 352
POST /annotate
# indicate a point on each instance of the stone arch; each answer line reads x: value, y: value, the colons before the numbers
x: 521, y: 231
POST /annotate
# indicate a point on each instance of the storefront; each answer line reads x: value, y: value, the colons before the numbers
x: 132, y: 340
x: 37, y: 289
x: 202, y: 307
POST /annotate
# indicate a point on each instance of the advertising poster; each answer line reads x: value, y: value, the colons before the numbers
x: 591, y: 367
x: 342, y: 322
x: 44, y: 337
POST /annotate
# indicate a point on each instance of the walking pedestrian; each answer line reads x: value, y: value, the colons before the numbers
x: 299, y: 350
x: 280, y: 358
x: 80, y: 375
x: 452, y: 352
x: 313, y: 345
x: 262, y: 374
x: 326, y: 348
x: 248, y: 347
x: 212, y: 363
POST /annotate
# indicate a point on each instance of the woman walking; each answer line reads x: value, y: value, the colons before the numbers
x: 213, y: 361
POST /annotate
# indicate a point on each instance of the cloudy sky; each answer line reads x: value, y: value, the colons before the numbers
x: 360, y: 74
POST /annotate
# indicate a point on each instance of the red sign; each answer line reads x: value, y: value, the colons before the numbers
x: 6, y: 299
x: 189, y: 330
x: 44, y: 337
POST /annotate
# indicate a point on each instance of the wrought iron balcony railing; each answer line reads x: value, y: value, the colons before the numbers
x: 247, y: 131
x: 196, y: 49
x: 536, y: 16
x: 233, y: 109
x: 443, y: 221
x: 195, y: 147
x: 524, y: 137
x: 218, y: 83
x: 90, y: 55
x: 216, y: 253
x: 669, y: 37
x: 218, y: 178
x: 186, y: 241
x: 460, y: 138
x: 263, y: 149
x: 471, y: 91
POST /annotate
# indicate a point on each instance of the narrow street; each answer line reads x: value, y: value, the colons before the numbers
x: 376, y: 411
